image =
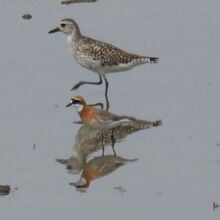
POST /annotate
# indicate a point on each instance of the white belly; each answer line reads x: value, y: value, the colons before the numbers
x: 87, y: 62
x: 96, y: 67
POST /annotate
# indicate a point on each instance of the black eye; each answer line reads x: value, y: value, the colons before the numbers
x: 62, y: 25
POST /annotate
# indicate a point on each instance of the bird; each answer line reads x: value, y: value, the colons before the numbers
x: 98, y: 56
x: 92, y: 115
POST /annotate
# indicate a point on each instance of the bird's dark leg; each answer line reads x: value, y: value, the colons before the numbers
x: 80, y: 83
x: 98, y: 104
x: 113, y: 141
x: 106, y: 93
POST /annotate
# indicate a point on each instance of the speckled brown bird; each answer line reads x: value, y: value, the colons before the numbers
x: 98, y: 56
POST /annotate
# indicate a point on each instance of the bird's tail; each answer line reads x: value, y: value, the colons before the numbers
x: 143, y: 122
x: 156, y: 123
x: 151, y: 59
x: 142, y: 59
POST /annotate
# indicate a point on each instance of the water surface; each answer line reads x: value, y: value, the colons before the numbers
x: 177, y: 174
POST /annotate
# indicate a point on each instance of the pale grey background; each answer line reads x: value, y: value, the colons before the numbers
x: 177, y: 175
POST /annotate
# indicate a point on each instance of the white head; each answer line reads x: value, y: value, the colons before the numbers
x: 67, y: 26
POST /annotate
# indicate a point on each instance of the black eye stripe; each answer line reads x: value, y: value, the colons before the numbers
x: 75, y: 101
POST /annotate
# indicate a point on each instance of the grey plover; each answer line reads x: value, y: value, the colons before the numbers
x: 98, y: 56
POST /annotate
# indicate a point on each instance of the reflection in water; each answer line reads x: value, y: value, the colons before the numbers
x: 75, y: 163
x: 100, y: 128
x: 99, y: 167
x: 91, y: 138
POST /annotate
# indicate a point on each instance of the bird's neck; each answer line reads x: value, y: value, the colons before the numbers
x: 89, y: 174
x: 74, y: 36
x: 78, y: 161
x: 79, y: 107
x: 85, y: 113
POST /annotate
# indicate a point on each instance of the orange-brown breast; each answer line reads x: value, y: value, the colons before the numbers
x: 89, y: 174
x: 87, y: 115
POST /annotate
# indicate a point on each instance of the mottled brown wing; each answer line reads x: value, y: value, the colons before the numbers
x: 106, y: 53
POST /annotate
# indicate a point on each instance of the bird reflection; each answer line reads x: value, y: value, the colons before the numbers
x: 99, y: 167
x: 91, y: 138
x: 100, y: 128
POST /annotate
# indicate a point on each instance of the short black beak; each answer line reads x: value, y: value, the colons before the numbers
x: 69, y: 104
x: 54, y: 30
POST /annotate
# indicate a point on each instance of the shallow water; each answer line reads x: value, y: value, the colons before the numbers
x: 177, y: 174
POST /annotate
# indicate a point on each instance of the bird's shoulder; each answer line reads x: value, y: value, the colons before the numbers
x: 103, y: 115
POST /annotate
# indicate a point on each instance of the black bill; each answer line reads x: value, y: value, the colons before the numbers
x: 69, y: 104
x: 54, y: 30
